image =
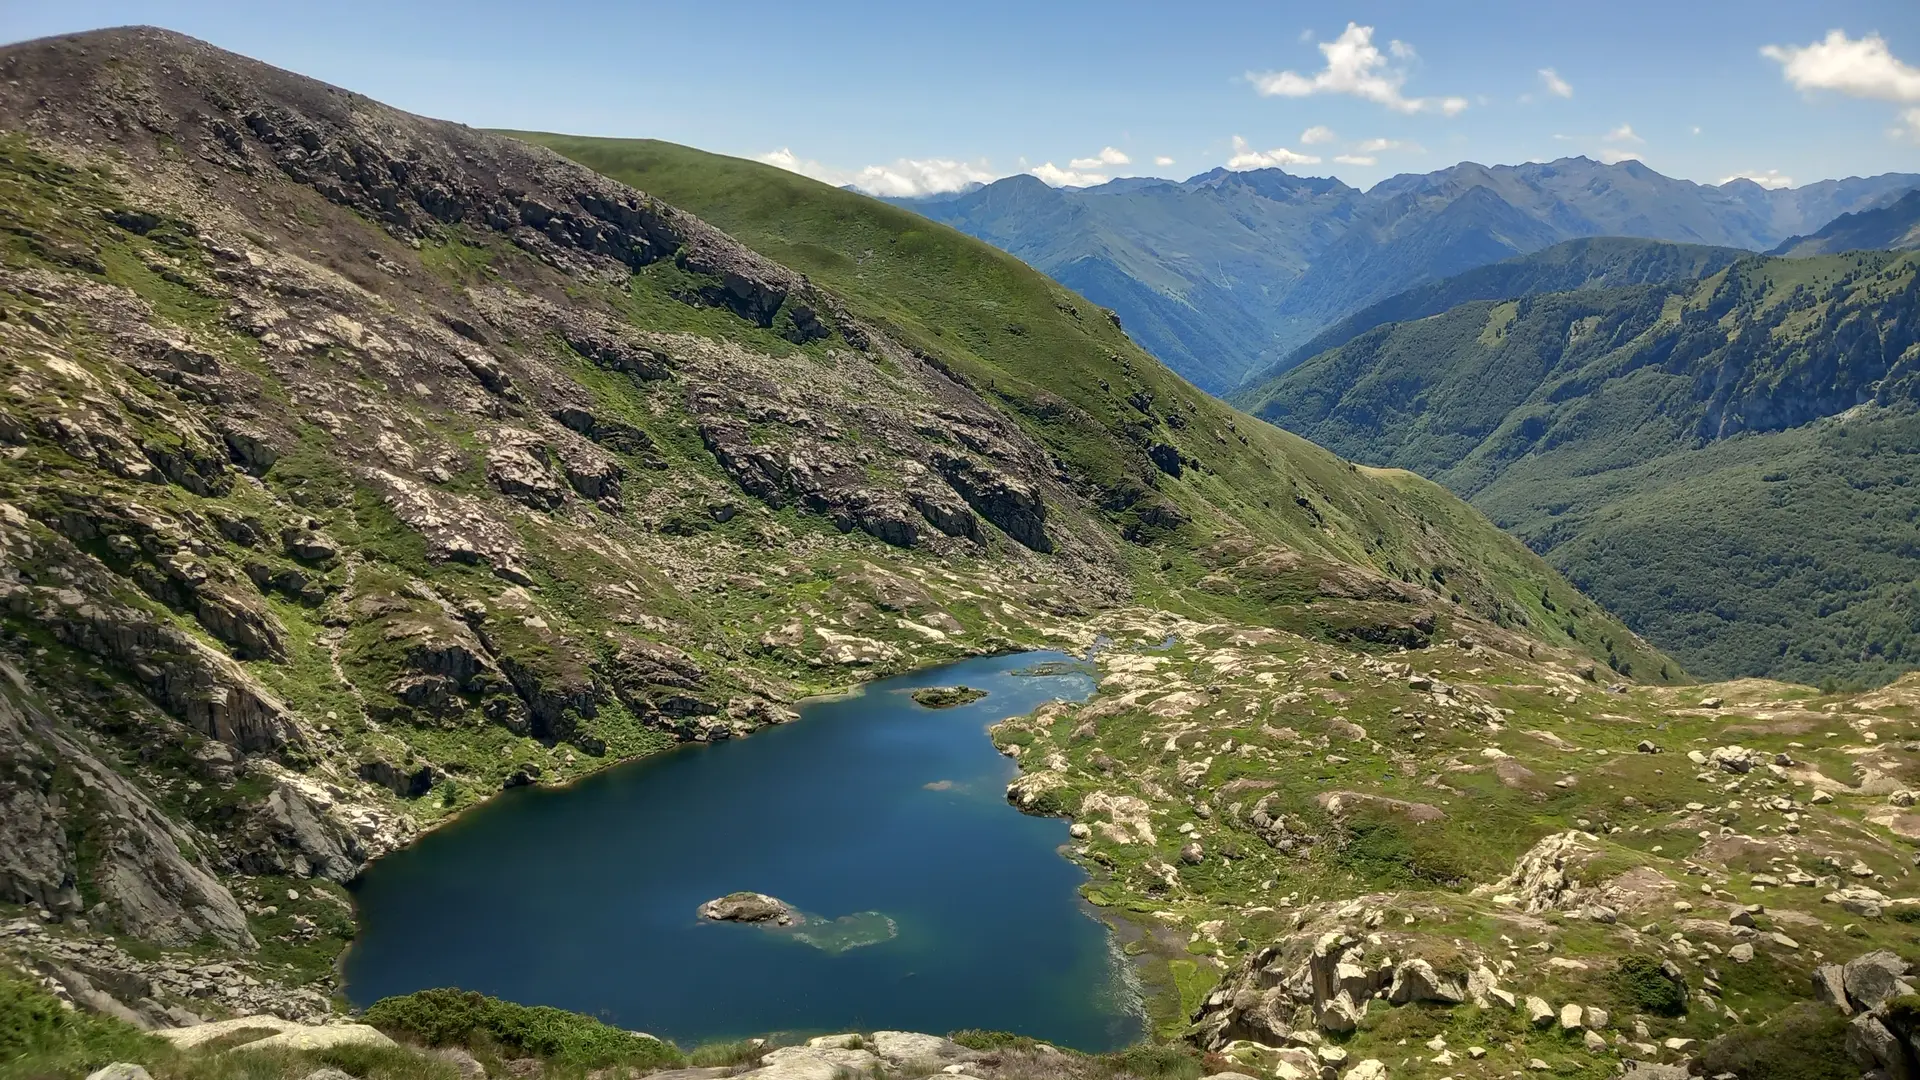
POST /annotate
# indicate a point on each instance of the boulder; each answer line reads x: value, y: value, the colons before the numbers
x: 1368, y: 1069
x: 1829, y: 987
x: 1858, y: 900
x: 1733, y: 759
x: 1539, y: 1013
x: 326, y: 1036
x: 1872, y: 1046
x: 813, y: 1063
x: 904, y: 1047
x: 119, y: 1070
x: 1341, y: 1014
x: 1872, y: 979
x: 1415, y: 980
x: 186, y: 1038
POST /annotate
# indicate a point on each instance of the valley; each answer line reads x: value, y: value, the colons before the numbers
x: 1668, y: 447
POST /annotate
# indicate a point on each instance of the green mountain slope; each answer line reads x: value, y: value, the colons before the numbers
x: 1229, y: 274
x: 1117, y: 421
x: 1596, y: 262
x: 1721, y: 461
x: 1895, y: 227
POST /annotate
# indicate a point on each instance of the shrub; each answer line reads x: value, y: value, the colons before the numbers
x: 1806, y: 1041
x: 448, y: 1017
x: 977, y: 1039
x: 728, y: 1054
x: 1640, y: 983
x: 1165, y: 1061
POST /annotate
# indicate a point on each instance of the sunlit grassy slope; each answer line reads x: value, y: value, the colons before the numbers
x: 1074, y: 378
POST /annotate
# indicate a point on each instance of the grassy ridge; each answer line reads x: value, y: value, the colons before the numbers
x: 1100, y: 403
x: 1595, y: 262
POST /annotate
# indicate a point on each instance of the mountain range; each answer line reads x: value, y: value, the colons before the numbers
x: 1227, y: 274
x: 1894, y: 227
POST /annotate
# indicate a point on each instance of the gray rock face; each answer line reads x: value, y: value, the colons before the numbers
x: 1830, y: 988
x: 1871, y: 980
x: 146, y: 885
x: 1872, y: 1046
x: 1007, y: 501
x: 291, y: 836
x: 1415, y: 980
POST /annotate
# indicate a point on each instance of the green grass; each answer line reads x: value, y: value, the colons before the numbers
x: 39, y: 1037
x: 1804, y: 1042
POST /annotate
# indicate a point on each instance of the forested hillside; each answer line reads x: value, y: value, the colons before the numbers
x: 1725, y: 462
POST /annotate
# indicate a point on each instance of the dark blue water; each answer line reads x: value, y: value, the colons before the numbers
x: 585, y: 897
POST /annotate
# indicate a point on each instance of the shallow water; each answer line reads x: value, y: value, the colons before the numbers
x: 870, y: 814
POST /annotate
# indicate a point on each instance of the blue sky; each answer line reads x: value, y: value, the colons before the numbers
x: 908, y: 97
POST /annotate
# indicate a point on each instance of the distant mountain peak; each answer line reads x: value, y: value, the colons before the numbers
x: 1225, y: 274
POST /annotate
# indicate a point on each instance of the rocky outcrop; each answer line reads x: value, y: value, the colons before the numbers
x: 749, y: 907
x: 1543, y: 878
x: 1881, y: 1039
x: 203, y: 689
x: 1009, y: 502
x: 135, y: 859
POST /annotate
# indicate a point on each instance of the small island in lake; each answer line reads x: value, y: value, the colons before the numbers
x: 778, y: 916
x: 946, y: 697
x: 750, y: 907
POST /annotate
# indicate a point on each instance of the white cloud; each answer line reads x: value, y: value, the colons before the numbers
x: 1908, y: 127
x: 1355, y: 159
x: 1163, y: 160
x: 1306, y: 35
x: 1615, y: 157
x: 1865, y: 68
x: 1356, y: 66
x: 904, y: 178
x: 1623, y: 134
x: 1058, y: 177
x: 786, y: 159
x: 1375, y: 146
x: 1696, y: 129
x: 1318, y: 133
x: 1246, y: 157
x: 1555, y: 85
x: 1107, y: 157
x: 1771, y: 179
